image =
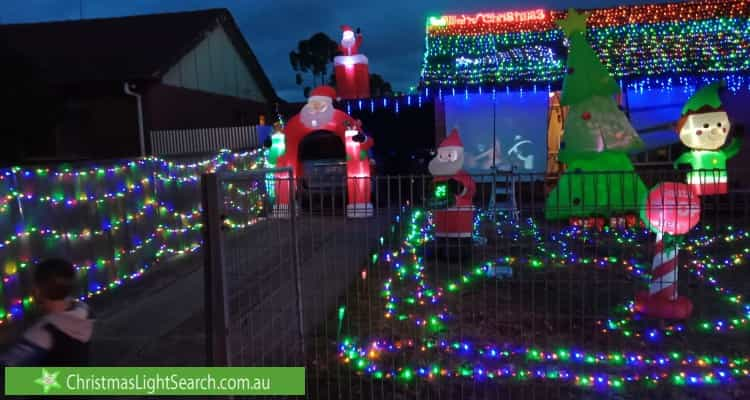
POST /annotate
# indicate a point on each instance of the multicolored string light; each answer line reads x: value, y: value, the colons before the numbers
x: 681, y: 39
x: 410, y: 297
x: 563, y: 364
x: 125, y: 195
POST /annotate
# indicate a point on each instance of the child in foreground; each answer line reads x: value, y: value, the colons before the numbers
x: 63, y: 334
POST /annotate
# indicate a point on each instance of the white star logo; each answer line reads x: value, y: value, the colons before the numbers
x: 48, y: 381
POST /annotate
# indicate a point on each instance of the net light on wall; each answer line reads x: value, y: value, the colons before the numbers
x: 692, y: 38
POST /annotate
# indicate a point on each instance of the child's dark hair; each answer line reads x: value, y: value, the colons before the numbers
x: 54, y: 278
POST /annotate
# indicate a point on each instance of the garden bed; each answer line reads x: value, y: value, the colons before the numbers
x: 561, y: 326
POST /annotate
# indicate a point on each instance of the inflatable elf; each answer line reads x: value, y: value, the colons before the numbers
x: 703, y: 128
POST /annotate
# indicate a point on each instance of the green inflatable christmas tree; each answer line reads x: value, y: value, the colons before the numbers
x: 600, y: 179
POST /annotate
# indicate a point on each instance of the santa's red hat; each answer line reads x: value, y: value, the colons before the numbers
x: 453, y: 140
x: 323, y: 93
x: 346, y: 28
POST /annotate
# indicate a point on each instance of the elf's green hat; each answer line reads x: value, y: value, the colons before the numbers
x: 705, y: 99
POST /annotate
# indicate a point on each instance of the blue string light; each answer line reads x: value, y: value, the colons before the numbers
x: 735, y: 83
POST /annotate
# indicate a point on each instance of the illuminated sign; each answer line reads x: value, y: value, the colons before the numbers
x: 441, y: 191
x: 490, y: 18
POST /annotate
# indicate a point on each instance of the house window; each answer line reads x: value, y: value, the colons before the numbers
x: 502, y: 131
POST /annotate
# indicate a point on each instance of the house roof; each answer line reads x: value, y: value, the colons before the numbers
x: 692, y: 38
x: 140, y: 47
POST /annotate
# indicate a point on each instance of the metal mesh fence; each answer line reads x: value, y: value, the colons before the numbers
x: 538, y: 302
x: 254, y: 310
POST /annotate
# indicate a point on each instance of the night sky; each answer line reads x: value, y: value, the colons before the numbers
x: 393, y: 29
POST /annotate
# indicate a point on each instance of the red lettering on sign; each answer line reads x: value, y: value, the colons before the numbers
x: 496, y: 18
x: 473, y: 20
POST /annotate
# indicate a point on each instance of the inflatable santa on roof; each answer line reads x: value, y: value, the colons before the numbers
x: 349, y: 42
x: 352, y: 69
x: 454, y: 190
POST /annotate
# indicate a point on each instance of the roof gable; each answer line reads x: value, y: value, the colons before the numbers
x: 217, y: 66
x: 125, y: 48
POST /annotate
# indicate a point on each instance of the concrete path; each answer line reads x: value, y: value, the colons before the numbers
x: 159, y: 319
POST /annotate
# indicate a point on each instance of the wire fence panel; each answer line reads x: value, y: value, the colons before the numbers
x: 253, y: 310
x: 547, y: 297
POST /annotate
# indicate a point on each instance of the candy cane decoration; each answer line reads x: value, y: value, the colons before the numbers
x: 664, y: 270
x: 671, y: 209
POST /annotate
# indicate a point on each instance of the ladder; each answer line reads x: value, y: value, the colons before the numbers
x: 503, y: 190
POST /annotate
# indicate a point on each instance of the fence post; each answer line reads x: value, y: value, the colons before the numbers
x: 295, y: 258
x: 217, y: 351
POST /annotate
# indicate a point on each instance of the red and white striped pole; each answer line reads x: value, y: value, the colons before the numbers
x: 671, y: 209
x: 664, y: 270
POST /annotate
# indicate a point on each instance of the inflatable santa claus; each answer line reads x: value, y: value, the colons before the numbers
x: 350, y: 41
x: 454, y: 190
x: 352, y: 69
x: 320, y: 115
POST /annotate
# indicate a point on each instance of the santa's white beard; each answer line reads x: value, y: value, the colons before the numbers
x: 314, y: 119
x: 348, y: 42
x: 446, y: 168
